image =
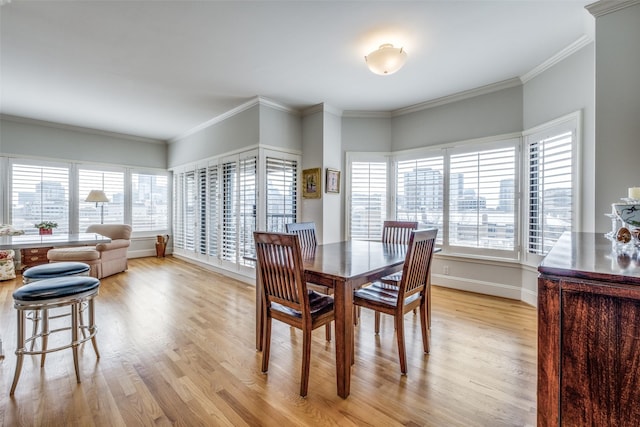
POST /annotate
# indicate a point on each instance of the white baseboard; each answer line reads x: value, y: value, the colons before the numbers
x: 478, y: 286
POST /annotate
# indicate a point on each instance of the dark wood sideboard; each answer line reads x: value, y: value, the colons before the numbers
x: 588, y: 334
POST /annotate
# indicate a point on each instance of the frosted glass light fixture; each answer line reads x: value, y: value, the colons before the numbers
x: 386, y: 59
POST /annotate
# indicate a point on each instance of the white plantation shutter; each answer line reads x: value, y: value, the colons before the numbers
x: 248, y: 214
x: 201, y: 211
x: 178, y: 210
x: 420, y: 192
x: 282, y: 175
x: 149, y: 202
x: 550, y: 162
x: 112, y: 183
x: 368, y: 208
x: 39, y: 193
x: 190, y: 207
x: 481, y: 198
x: 229, y: 210
x: 213, y: 210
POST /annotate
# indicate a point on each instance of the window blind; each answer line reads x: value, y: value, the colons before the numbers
x: 368, y: 199
x: 248, y: 214
x: 112, y: 183
x: 481, y: 199
x: 39, y: 193
x: 550, y: 190
x: 281, y: 200
x: 213, y: 210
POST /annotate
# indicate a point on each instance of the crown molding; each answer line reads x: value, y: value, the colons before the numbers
x: 92, y: 131
x: 356, y: 114
x: 321, y: 108
x: 256, y: 101
x: 604, y: 7
x: 472, y: 93
x: 558, y: 57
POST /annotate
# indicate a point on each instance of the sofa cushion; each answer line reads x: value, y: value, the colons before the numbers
x: 76, y: 253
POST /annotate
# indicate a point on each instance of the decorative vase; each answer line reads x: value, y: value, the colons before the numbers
x: 44, y: 231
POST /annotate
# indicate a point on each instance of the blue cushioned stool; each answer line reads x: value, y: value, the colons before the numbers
x: 49, y: 271
x: 47, y: 294
x: 55, y: 269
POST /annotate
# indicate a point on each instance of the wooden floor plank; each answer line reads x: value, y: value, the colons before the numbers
x: 177, y: 348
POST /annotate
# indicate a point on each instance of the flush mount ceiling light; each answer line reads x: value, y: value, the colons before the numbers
x: 386, y: 59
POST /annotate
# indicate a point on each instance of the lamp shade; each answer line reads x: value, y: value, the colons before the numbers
x: 386, y: 59
x: 97, y: 196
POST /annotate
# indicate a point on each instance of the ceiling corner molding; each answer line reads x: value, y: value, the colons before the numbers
x: 604, y: 7
x: 321, y: 108
x: 558, y: 57
x: 92, y: 131
x: 277, y: 105
x: 237, y: 110
x: 355, y: 114
x: 472, y: 93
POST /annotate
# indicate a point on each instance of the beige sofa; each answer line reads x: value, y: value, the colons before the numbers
x: 104, y: 259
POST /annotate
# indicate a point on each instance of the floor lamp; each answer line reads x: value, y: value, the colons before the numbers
x: 98, y: 196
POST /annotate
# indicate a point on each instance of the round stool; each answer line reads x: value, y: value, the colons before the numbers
x: 51, y: 293
x: 56, y: 269
x: 49, y: 271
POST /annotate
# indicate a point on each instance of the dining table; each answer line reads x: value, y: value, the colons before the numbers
x: 342, y: 266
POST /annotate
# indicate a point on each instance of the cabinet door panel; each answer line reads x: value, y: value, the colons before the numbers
x: 629, y: 362
x: 588, y: 359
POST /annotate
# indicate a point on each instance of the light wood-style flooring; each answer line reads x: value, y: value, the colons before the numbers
x: 178, y: 348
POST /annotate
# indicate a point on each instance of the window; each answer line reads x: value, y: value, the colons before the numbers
x: 368, y: 204
x: 213, y: 224
x: 149, y: 202
x: 420, y: 192
x: 112, y: 183
x: 282, y: 184
x: 551, y: 187
x: 482, y: 198
x: 39, y: 193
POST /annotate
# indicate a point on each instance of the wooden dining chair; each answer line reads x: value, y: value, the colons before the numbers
x: 411, y: 293
x: 306, y: 232
x: 397, y: 232
x: 285, y: 296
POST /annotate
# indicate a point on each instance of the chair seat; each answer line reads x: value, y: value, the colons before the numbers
x: 57, y: 269
x: 59, y: 287
x: 394, y: 278
x: 319, y: 304
x: 79, y: 253
x: 382, y: 294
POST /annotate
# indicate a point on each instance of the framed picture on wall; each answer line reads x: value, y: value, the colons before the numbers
x: 333, y: 181
x: 311, y: 184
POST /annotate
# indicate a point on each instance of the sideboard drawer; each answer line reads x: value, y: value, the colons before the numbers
x: 30, y: 257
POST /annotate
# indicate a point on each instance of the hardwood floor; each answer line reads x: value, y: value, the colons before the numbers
x: 178, y: 348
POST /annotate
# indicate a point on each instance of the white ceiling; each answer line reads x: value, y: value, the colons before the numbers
x: 158, y: 69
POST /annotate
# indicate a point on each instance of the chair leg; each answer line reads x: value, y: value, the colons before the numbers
x: 45, y: 335
x: 92, y: 327
x: 327, y: 332
x: 266, y: 343
x: 19, y: 352
x: 36, y: 321
x: 74, y: 338
x: 377, y: 322
x: 426, y: 332
x: 306, y: 359
x: 401, y: 349
x: 356, y: 315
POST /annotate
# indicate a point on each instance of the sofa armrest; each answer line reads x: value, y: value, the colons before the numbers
x: 115, y: 244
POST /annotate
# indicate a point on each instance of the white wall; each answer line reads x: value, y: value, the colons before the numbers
x: 484, y: 115
x: 566, y: 87
x: 279, y: 128
x: 312, y: 151
x: 29, y: 138
x: 617, y: 72
x: 241, y: 130
x: 333, y: 227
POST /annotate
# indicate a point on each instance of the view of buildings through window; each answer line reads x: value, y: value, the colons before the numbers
x: 41, y: 193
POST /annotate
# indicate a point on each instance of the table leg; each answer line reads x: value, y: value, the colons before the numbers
x: 343, y: 306
x: 259, y: 314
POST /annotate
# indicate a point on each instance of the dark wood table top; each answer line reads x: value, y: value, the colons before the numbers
x: 352, y: 259
x: 592, y: 256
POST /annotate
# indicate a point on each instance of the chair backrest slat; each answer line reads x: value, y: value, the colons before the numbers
x: 280, y: 269
x: 415, y: 272
x: 306, y: 232
x: 398, y: 231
